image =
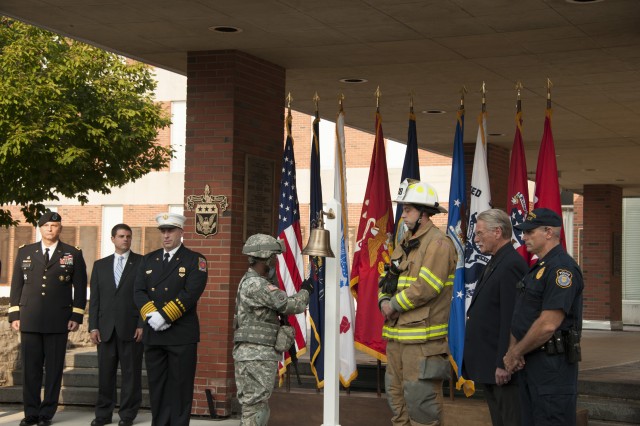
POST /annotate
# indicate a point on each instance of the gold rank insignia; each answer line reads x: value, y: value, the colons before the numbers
x: 61, y: 277
x: 540, y: 272
x: 563, y: 278
x: 182, y: 271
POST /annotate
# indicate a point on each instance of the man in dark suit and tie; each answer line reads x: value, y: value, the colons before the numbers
x: 168, y: 285
x: 489, y: 318
x: 116, y: 327
x: 47, y: 301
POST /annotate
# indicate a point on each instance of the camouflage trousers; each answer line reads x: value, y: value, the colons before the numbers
x: 413, y: 382
x: 255, y: 381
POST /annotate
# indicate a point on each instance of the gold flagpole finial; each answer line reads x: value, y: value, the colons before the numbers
x: 549, y: 86
x: 341, y: 101
x: 316, y: 98
x: 519, y: 88
x: 463, y: 91
x: 289, y: 98
x: 484, y: 97
x: 378, y: 93
x: 411, y: 102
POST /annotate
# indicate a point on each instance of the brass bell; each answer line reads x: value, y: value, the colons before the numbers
x: 319, y: 243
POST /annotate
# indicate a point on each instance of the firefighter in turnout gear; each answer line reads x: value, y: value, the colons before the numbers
x: 259, y: 338
x: 415, y: 297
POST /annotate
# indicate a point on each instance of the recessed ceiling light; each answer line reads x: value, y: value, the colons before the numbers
x: 225, y: 29
x: 497, y: 134
x: 589, y: 170
x: 619, y: 180
x: 433, y: 111
x: 353, y: 80
x: 584, y: 1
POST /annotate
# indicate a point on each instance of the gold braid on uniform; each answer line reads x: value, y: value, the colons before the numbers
x: 174, y: 309
x: 14, y: 309
x: 78, y: 311
x: 148, y: 308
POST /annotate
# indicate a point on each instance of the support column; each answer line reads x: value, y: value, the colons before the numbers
x: 602, y: 256
x: 234, y: 140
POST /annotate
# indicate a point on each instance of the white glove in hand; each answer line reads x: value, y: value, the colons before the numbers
x: 156, y: 320
x: 164, y: 327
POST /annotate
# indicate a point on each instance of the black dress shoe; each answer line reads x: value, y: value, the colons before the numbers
x: 29, y: 421
x: 44, y: 421
x: 124, y: 422
x: 100, y: 422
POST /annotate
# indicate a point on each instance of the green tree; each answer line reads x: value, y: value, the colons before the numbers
x: 73, y: 119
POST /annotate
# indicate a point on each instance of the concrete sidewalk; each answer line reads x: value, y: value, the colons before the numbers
x: 77, y: 416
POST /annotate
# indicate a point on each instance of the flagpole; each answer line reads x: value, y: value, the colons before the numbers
x: 331, y: 398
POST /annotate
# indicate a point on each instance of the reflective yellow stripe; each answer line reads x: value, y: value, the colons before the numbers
x: 78, y: 311
x: 450, y: 279
x: 14, y: 309
x: 404, y: 301
x: 405, y: 282
x: 147, y: 309
x: 414, y: 334
x: 431, y: 279
x: 382, y: 295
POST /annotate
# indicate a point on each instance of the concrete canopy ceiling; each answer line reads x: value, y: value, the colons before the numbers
x: 431, y: 48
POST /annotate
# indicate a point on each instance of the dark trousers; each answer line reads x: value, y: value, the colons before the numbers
x: 171, y: 370
x: 504, y: 404
x: 38, y: 350
x: 129, y: 354
x: 548, y: 390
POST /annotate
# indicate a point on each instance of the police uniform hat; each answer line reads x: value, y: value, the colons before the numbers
x: 540, y: 217
x: 49, y: 217
x: 170, y: 220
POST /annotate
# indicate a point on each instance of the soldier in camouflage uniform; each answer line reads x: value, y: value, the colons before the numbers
x: 258, y: 304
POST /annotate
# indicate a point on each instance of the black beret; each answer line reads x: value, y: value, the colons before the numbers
x: 49, y: 217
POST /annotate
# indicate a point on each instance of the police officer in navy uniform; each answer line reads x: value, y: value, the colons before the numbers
x: 168, y: 285
x: 47, y: 301
x: 546, y: 326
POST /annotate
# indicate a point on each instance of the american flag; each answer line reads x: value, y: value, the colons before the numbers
x: 290, y: 267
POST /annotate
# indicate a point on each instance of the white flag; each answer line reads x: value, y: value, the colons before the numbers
x: 348, y: 368
x: 474, y: 261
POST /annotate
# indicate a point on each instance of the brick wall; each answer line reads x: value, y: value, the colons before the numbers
x: 602, y: 253
x: 234, y: 108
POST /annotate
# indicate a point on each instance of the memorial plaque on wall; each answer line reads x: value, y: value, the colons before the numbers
x: 259, y: 196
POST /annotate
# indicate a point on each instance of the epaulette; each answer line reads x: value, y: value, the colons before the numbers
x: 22, y: 246
x: 78, y: 248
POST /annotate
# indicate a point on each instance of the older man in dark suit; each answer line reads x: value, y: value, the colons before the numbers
x: 489, y: 318
x: 116, y: 327
x: 47, y: 301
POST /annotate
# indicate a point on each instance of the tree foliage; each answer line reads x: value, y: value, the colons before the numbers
x: 73, y: 119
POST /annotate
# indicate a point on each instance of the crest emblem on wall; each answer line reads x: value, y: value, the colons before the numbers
x: 208, y: 209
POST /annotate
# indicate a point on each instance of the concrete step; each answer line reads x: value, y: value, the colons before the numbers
x: 611, y: 409
x: 68, y: 395
x: 81, y: 377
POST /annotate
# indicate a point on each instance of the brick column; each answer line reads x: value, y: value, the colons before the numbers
x: 235, y: 105
x: 602, y: 255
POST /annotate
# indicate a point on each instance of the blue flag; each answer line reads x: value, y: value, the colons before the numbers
x: 455, y: 224
x: 410, y: 169
x: 316, y: 263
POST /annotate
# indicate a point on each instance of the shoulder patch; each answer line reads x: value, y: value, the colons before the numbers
x: 202, y: 264
x: 540, y: 272
x: 78, y: 248
x: 272, y: 287
x: 563, y: 278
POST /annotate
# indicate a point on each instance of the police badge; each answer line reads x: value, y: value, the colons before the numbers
x: 207, y: 208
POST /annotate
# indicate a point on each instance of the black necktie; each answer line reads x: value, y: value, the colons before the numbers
x: 165, y: 261
x: 46, y: 256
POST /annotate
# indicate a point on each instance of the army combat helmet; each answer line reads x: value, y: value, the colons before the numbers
x: 262, y: 246
x: 419, y: 194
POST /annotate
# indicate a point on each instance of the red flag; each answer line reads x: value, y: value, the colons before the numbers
x: 518, y: 192
x: 547, y: 186
x: 372, y: 251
